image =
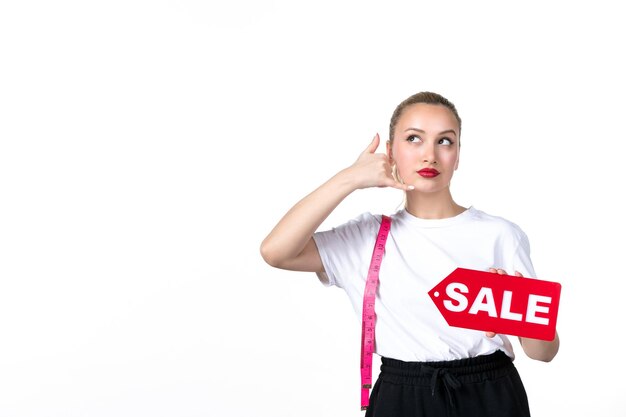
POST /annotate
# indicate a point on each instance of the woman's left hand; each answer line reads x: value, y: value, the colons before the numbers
x: 501, y: 272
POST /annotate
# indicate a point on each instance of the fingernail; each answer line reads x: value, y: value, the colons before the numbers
x: 411, y: 187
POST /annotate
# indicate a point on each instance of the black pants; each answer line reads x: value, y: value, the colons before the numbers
x: 485, y: 386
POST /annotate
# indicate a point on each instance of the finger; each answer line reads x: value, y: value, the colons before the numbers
x: 395, y: 184
x: 501, y: 271
x: 518, y: 274
x: 490, y: 334
x: 371, y: 148
x: 493, y: 270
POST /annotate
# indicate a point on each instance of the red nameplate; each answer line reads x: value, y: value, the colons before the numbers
x: 497, y: 303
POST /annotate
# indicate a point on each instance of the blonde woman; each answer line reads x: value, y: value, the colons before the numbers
x: 428, y: 368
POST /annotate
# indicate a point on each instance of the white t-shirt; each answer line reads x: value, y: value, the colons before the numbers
x: 419, y: 253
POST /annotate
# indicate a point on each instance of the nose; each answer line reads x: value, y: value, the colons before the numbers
x: 429, y: 154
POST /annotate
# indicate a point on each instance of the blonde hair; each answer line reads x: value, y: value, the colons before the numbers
x: 425, y: 97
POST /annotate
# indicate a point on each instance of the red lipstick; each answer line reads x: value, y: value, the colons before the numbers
x: 428, y: 172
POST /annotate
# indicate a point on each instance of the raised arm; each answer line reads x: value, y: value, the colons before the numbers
x: 290, y: 244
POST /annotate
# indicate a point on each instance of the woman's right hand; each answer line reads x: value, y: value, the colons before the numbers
x: 290, y: 244
x: 373, y: 169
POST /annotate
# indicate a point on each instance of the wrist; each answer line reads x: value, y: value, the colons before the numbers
x: 347, y: 181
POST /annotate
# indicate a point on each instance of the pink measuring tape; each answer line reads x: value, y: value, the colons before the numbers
x: 369, y: 313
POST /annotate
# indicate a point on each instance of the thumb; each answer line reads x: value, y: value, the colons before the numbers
x: 371, y: 148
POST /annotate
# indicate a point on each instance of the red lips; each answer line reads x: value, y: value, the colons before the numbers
x: 428, y: 172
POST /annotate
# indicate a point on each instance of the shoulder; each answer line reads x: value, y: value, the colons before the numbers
x: 363, y: 223
x: 351, y: 237
x: 500, y: 225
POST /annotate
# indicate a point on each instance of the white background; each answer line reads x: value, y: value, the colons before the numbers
x: 147, y: 147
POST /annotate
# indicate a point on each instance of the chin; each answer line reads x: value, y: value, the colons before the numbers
x: 428, y: 188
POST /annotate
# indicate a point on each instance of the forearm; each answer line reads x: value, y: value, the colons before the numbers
x: 541, y: 350
x: 289, y: 237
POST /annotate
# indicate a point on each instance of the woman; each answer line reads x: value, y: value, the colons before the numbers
x: 428, y: 367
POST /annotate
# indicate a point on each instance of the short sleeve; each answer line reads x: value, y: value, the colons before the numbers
x: 346, y: 250
x: 521, y: 258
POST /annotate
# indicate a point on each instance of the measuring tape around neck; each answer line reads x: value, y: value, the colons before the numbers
x: 369, y: 313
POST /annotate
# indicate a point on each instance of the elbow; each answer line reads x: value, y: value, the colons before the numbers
x: 543, y: 356
x: 542, y: 351
x: 269, y: 256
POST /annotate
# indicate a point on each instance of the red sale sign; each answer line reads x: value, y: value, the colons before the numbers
x: 504, y: 304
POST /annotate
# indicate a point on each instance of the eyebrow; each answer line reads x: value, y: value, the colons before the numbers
x: 422, y: 131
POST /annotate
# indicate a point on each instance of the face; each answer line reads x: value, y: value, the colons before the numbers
x: 425, y: 147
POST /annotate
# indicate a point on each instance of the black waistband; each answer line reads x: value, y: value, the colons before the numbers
x: 451, y: 374
x: 461, y: 367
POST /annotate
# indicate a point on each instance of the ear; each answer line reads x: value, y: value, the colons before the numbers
x: 456, y: 165
x: 389, y: 153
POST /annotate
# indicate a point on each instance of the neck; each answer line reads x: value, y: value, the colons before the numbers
x: 438, y: 205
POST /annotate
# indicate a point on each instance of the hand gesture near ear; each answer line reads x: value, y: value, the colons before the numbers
x: 290, y: 244
x: 373, y: 169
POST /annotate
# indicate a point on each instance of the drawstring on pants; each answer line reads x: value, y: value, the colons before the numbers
x: 451, y: 374
x: 450, y: 382
x: 487, y: 384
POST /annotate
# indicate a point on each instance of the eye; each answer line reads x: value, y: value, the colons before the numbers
x: 413, y: 138
x: 446, y: 141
